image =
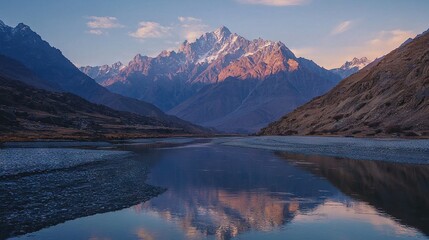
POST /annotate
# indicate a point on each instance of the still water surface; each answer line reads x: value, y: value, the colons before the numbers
x: 219, y: 189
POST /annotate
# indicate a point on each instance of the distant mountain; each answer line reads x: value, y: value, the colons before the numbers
x: 31, y: 113
x: 102, y: 73
x: 351, y: 67
x: 389, y: 98
x: 225, y: 81
x: 56, y: 72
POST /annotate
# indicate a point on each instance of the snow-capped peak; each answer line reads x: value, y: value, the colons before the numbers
x: 212, y: 45
x: 222, y: 32
x: 356, y: 63
x: 103, y: 72
x: 351, y: 67
x: 221, y: 42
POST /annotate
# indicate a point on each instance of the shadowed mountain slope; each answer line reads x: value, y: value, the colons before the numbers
x: 31, y: 113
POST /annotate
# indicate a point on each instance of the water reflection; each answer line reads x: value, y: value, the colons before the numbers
x: 339, y: 220
x: 223, y: 192
x: 234, y: 191
x: 400, y: 190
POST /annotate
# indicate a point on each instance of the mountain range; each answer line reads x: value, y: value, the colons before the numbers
x: 389, y: 97
x: 52, y: 71
x: 222, y: 80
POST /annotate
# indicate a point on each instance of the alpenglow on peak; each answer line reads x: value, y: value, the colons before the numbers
x: 222, y: 32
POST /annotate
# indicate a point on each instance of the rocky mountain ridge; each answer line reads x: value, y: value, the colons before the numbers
x: 389, y: 98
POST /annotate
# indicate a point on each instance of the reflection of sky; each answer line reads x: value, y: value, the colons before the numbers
x: 356, y: 211
x: 223, y: 192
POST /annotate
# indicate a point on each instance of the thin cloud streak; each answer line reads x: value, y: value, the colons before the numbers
x: 342, y: 27
x: 95, y: 31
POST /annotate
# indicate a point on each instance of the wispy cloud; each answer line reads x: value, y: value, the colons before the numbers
x: 188, y: 19
x: 342, y: 27
x: 278, y: 3
x: 391, y: 38
x: 192, y: 28
x: 189, y: 28
x: 95, y: 31
x: 150, y: 30
x: 99, y: 25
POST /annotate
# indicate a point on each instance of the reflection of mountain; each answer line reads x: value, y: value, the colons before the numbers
x: 225, y: 191
x: 226, y: 214
x: 400, y: 190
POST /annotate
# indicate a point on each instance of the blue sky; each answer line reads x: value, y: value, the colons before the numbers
x: 94, y: 32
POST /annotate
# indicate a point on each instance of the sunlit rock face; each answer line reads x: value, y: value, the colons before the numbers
x: 262, y: 59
